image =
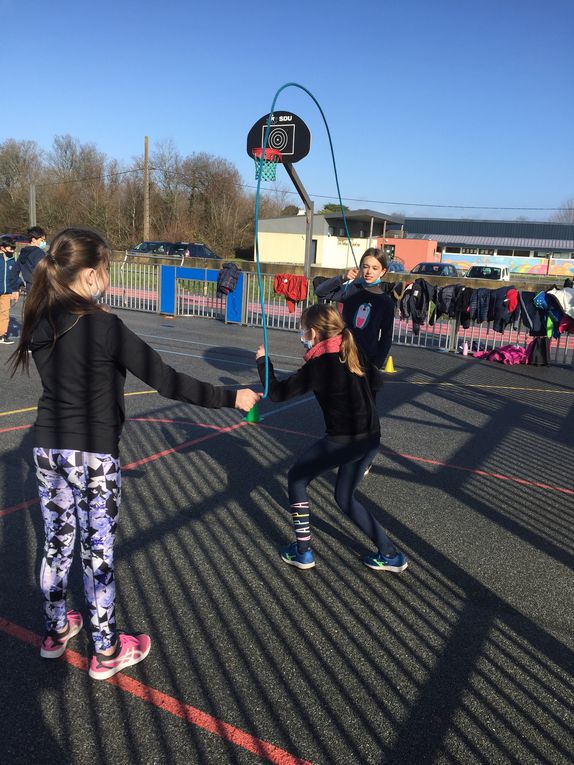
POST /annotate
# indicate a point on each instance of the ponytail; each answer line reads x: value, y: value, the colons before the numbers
x: 349, y: 354
x: 327, y: 322
x: 52, y: 292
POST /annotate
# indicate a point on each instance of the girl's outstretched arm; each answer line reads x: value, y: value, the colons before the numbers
x: 281, y: 390
x: 131, y: 352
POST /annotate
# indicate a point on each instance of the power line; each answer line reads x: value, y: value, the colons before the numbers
x: 416, y: 204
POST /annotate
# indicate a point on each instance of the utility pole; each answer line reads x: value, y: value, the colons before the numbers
x: 32, y: 205
x: 146, y: 191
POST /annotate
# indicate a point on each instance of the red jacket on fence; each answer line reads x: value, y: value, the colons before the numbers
x: 293, y: 287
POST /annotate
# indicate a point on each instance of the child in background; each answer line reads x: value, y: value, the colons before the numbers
x: 82, y: 352
x: 343, y: 381
x: 368, y: 310
x: 32, y: 254
x: 9, y: 285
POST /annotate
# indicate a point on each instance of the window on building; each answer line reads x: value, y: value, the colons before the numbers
x: 483, y: 251
x: 468, y: 250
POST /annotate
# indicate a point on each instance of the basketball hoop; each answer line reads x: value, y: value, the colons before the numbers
x: 266, y: 166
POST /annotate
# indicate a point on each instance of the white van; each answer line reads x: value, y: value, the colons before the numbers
x: 496, y: 273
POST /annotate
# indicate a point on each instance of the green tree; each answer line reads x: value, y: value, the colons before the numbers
x: 333, y: 207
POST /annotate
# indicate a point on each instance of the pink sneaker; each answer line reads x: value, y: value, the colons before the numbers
x: 130, y: 650
x: 54, y: 644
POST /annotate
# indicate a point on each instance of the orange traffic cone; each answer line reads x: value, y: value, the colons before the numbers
x: 389, y: 366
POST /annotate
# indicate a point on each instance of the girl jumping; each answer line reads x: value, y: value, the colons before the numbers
x: 343, y: 381
x: 82, y: 352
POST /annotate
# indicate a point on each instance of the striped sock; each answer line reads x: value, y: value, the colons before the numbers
x: 300, y: 516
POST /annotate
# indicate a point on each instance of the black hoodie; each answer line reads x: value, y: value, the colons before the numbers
x: 28, y: 259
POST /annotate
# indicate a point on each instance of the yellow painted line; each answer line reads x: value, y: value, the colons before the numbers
x: 19, y: 411
x: 481, y: 385
x: 33, y: 408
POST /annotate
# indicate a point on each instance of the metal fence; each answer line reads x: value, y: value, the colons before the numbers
x: 133, y: 286
x: 136, y: 286
x: 277, y: 311
x: 198, y: 298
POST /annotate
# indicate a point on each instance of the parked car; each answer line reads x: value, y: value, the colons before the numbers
x: 193, y: 250
x: 18, y: 238
x: 496, y: 273
x: 178, y: 250
x: 435, y: 269
x: 150, y: 248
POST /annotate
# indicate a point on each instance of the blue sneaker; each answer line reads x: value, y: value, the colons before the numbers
x: 293, y: 557
x: 380, y: 562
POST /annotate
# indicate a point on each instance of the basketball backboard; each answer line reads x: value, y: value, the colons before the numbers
x: 287, y: 134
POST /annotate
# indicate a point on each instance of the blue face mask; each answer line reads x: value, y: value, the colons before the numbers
x: 370, y: 284
x: 43, y: 245
x: 307, y: 343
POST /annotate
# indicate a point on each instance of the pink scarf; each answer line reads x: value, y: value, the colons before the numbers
x: 330, y: 345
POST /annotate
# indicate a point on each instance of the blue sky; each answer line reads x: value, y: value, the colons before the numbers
x: 450, y: 102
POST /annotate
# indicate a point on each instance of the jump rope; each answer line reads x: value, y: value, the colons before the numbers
x: 257, y: 196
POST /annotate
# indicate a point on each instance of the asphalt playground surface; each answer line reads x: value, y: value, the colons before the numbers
x: 466, y: 657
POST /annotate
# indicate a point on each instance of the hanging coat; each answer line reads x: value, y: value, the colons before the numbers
x: 293, y: 287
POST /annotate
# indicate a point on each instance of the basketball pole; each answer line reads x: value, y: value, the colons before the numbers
x: 309, y: 207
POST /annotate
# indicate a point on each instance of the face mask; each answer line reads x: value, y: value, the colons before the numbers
x: 43, y: 245
x: 98, y: 293
x: 370, y: 284
x: 307, y: 343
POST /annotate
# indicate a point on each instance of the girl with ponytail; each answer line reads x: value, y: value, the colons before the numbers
x: 82, y: 353
x: 344, y: 382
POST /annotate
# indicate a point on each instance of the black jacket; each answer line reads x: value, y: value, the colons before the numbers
x: 83, y: 375
x: 29, y: 258
x: 416, y: 301
x: 369, y: 312
x: 346, y: 399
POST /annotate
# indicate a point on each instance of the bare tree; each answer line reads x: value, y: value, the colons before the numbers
x: 20, y: 163
x: 566, y: 214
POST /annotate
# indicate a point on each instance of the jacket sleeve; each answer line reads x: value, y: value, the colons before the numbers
x: 15, y: 280
x: 330, y: 289
x: 132, y: 353
x: 282, y: 390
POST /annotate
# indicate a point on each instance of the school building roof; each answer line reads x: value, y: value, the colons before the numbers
x: 500, y: 242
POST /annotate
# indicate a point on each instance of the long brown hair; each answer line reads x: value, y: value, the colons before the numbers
x: 72, y: 250
x: 327, y: 322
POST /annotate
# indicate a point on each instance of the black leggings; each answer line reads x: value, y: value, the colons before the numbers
x: 352, y: 459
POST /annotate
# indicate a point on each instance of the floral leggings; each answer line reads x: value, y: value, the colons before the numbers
x: 79, y: 488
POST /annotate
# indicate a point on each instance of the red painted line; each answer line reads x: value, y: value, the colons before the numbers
x: 185, y: 445
x: 20, y: 506
x: 174, y: 422
x: 16, y: 427
x: 485, y: 473
x: 476, y: 471
x: 137, y: 463
x: 173, y: 706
